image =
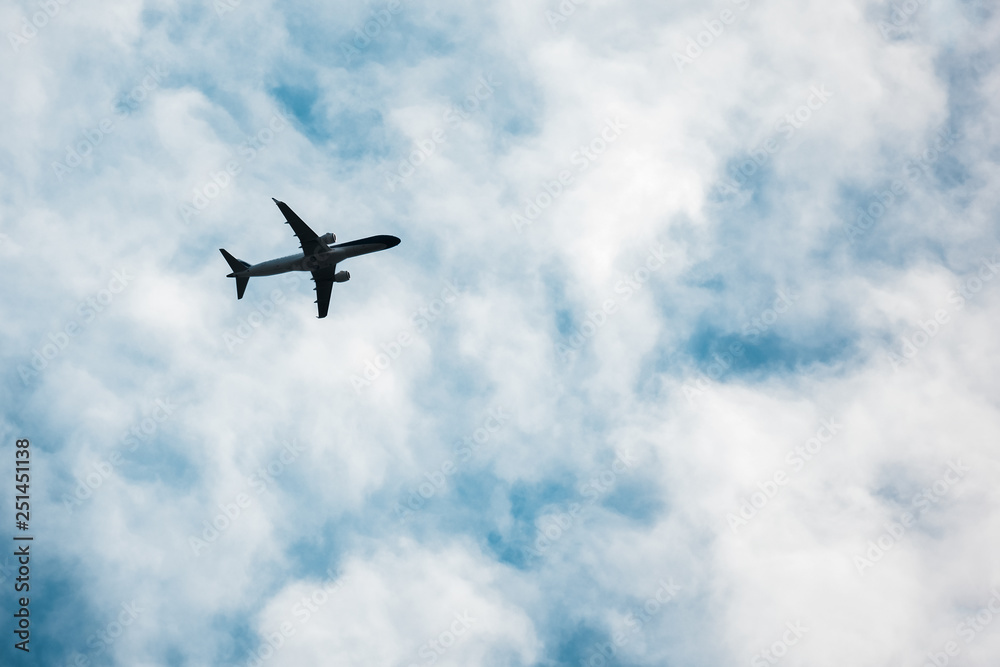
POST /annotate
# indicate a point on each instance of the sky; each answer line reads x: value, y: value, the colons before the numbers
x: 687, y: 355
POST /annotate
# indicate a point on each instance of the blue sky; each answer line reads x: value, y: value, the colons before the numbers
x: 686, y: 356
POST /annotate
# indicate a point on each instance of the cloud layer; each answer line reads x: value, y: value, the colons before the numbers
x: 686, y: 356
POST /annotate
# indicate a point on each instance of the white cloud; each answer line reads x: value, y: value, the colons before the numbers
x: 522, y: 291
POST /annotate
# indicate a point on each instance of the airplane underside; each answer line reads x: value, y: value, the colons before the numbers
x: 316, y: 257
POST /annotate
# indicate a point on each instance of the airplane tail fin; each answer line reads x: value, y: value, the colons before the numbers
x: 237, y: 265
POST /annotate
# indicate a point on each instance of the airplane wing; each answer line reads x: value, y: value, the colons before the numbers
x: 308, y: 239
x: 324, y: 287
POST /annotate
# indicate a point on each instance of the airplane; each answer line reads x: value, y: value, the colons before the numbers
x: 317, y: 257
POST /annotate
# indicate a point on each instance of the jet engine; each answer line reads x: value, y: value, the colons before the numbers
x: 341, y: 277
x: 329, y: 237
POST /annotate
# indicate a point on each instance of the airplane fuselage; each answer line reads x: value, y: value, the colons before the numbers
x: 320, y: 260
x: 297, y: 262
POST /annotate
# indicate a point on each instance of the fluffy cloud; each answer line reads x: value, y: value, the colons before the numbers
x: 685, y: 355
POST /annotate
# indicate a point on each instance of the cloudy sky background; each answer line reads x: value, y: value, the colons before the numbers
x: 634, y: 278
